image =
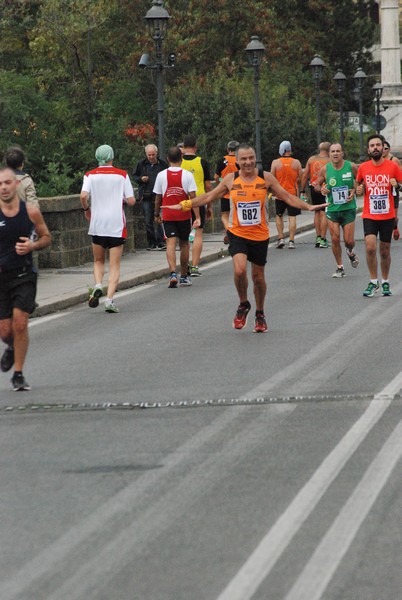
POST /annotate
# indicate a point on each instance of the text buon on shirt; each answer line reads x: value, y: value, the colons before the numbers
x: 378, y: 200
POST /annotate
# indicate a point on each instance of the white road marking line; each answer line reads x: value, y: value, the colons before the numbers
x: 262, y: 560
x: 215, y: 263
x: 320, y: 569
x: 47, y: 318
x: 135, y: 290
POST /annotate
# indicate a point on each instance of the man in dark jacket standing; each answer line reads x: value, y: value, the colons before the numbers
x: 145, y: 175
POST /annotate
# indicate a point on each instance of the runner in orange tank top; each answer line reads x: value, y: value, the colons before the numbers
x: 288, y: 172
x: 248, y: 229
x: 310, y: 174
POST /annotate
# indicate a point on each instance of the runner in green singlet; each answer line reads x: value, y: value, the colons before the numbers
x: 336, y: 181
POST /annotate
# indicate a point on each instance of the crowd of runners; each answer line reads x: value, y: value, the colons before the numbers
x: 177, y: 198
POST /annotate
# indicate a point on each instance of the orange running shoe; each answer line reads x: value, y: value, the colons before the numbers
x: 260, y: 324
x: 240, y: 319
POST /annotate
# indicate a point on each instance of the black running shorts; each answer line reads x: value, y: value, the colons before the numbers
x: 179, y: 229
x: 383, y: 228
x: 281, y: 207
x: 17, y: 290
x: 225, y: 205
x: 317, y: 198
x: 256, y: 252
x: 107, y: 242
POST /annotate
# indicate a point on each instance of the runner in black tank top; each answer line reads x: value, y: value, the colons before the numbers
x: 18, y: 223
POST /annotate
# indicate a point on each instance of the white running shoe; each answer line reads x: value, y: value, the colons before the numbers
x: 110, y: 307
x: 340, y: 272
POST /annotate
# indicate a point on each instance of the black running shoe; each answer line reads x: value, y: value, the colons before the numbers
x: 7, y: 360
x: 19, y: 384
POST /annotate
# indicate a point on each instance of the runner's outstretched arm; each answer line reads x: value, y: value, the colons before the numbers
x: 290, y: 199
x: 223, y: 188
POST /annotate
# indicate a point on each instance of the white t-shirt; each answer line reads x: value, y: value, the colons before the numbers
x: 107, y: 187
x: 187, y: 181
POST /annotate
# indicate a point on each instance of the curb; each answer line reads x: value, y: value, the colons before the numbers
x: 124, y: 284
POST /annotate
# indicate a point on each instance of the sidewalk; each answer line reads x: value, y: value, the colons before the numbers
x: 59, y: 289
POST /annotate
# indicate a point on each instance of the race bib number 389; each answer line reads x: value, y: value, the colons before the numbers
x: 379, y: 204
x: 249, y: 213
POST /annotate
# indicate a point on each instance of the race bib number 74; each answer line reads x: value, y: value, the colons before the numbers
x: 249, y: 213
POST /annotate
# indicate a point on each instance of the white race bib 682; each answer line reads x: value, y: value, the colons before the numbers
x: 249, y: 213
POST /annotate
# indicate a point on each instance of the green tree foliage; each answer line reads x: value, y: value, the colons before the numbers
x: 70, y: 80
x: 17, y: 18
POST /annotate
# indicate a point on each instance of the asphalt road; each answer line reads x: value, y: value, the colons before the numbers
x: 161, y: 455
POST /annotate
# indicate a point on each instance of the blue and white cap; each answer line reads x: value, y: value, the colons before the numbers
x: 284, y: 146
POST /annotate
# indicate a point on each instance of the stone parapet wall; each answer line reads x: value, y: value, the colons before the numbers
x: 71, y: 244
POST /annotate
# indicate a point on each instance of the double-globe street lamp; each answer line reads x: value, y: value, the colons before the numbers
x: 340, y: 80
x: 157, y: 20
x: 317, y: 67
x: 360, y: 77
x: 255, y: 51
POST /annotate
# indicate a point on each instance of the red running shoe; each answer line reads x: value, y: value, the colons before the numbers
x: 260, y: 324
x: 240, y: 319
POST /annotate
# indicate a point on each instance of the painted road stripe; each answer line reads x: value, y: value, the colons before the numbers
x: 262, y: 560
x: 320, y: 569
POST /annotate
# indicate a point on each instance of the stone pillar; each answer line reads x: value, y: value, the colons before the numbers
x: 391, y: 73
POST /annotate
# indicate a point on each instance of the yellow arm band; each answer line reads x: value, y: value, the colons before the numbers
x: 186, y: 204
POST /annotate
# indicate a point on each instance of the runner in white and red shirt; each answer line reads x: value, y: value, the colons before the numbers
x: 171, y: 186
x: 107, y: 188
x: 376, y: 178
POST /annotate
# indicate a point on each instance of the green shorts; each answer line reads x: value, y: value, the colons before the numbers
x: 343, y: 217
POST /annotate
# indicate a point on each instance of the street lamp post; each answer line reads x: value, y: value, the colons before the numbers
x: 340, y: 80
x: 255, y: 50
x: 377, y: 89
x: 157, y: 19
x: 317, y: 67
x: 360, y: 77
